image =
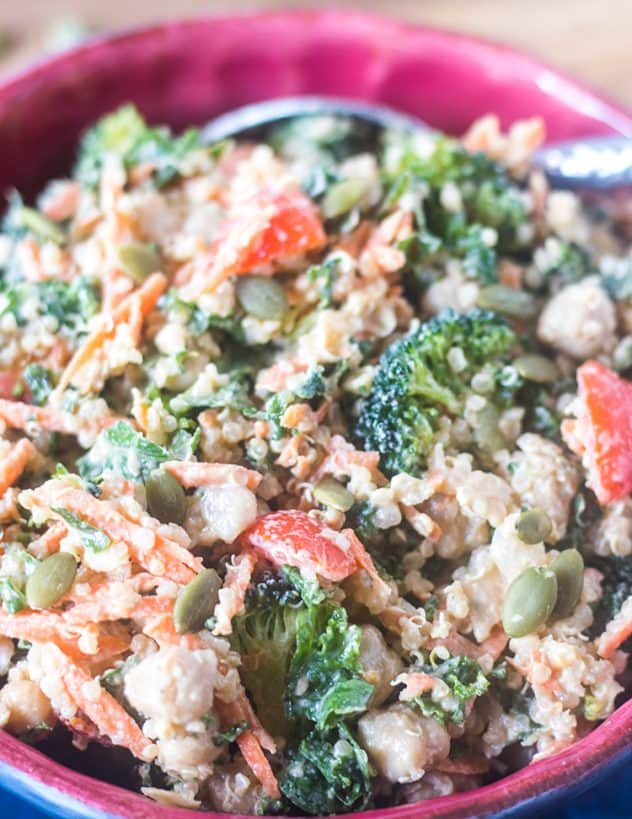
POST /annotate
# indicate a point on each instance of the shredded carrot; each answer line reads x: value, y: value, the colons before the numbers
x: 113, y: 600
x: 193, y: 474
x: 50, y: 627
x: 14, y: 463
x: 617, y: 631
x: 232, y: 597
x: 256, y: 760
x: 154, y: 552
x: 240, y: 710
x: 467, y: 766
x: 48, y: 542
x: 103, y: 710
x: 495, y: 644
x: 146, y: 296
x: 415, y: 683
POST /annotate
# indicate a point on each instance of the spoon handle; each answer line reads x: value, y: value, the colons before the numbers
x: 591, y: 163
x: 248, y: 118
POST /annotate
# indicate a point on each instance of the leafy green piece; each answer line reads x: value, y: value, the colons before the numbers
x: 39, y: 380
x: 184, y: 443
x: 226, y: 737
x: 92, y: 538
x: 71, y: 303
x: 415, y: 384
x: 13, y: 598
x: 478, y: 259
x: 308, y: 588
x: 325, y: 677
x: 124, y: 452
x: 488, y: 197
x: 327, y: 772
x: 465, y: 679
x: 571, y: 264
x: 126, y: 134
x: 618, y: 283
x: 312, y: 388
x: 324, y: 275
x: 233, y: 395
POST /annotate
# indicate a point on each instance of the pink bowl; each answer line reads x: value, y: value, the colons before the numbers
x: 186, y: 72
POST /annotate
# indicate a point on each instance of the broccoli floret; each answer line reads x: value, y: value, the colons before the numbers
x: 488, y: 198
x: 415, y: 384
x: 265, y: 636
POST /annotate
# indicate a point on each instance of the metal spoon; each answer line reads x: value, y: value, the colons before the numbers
x: 593, y: 163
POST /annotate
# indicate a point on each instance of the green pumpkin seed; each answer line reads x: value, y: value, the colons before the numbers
x: 537, y: 368
x: 568, y: 567
x: 165, y: 497
x: 507, y: 301
x: 331, y: 493
x: 262, y: 297
x: 342, y: 196
x: 529, y: 601
x: 534, y: 526
x: 196, y: 601
x: 43, y: 227
x: 487, y: 432
x: 138, y: 260
x: 51, y: 580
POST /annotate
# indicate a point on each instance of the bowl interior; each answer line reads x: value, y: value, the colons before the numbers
x: 186, y: 72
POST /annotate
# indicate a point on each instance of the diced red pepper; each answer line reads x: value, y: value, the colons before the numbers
x: 295, y: 228
x: 602, y: 433
x: 10, y: 385
x: 294, y: 538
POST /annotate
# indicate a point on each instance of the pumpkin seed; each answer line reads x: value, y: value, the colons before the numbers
x: 534, y: 526
x: 51, y: 580
x: 41, y: 225
x: 262, y: 297
x: 537, y: 368
x: 138, y: 260
x: 508, y: 301
x: 529, y: 601
x: 487, y: 431
x: 196, y: 601
x: 165, y: 497
x: 342, y: 196
x: 332, y: 493
x: 568, y: 567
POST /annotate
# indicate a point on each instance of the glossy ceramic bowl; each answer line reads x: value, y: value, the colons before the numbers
x: 186, y: 72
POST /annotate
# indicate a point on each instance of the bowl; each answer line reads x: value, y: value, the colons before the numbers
x: 186, y: 72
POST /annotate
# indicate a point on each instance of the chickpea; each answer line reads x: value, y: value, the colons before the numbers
x: 402, y: 744
x: 24, y: 706
x: 379, y: 663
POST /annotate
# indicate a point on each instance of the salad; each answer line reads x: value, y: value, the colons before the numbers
x: 315, y: 464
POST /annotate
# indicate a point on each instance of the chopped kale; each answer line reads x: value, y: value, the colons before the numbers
x: 327, y: 772
x: 123, y: 451
x: 92, y: 538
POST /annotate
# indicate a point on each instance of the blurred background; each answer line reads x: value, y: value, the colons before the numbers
x: 590, y: 38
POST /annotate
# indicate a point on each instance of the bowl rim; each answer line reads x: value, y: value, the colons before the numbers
x: 25, y: 768
x: 600, y: 105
